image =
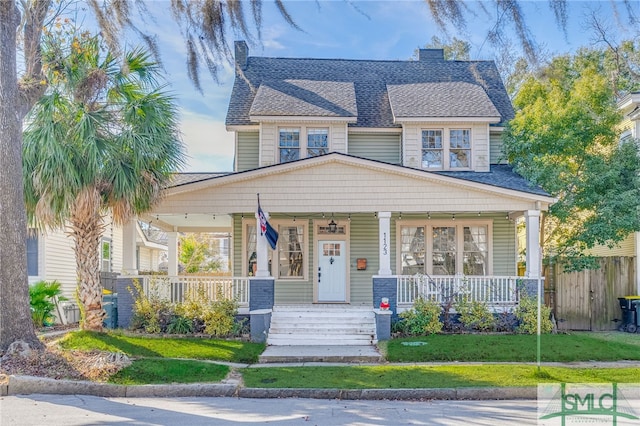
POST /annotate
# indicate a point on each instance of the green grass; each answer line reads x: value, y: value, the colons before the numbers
x: 163, y: 371
x: 577, y: 346
x: 164, y: 347
x: 409, y: 377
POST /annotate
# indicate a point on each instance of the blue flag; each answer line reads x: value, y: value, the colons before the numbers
x: 267, y: 230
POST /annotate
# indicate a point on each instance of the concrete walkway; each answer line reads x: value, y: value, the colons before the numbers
x: 321, y: 353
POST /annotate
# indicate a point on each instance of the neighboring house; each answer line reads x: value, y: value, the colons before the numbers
x: 51, y: 256
x: 630, y: 129
x: 371, y: 172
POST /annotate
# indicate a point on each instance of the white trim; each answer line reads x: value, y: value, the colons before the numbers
x: 302, y: 118
x: 275, y: 264
x: 346, y: 237
x: 447, y: 119
x: 242, y: 127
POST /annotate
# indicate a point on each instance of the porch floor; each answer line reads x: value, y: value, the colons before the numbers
x: 321, y: 353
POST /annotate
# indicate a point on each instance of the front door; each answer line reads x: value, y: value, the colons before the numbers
x: 332, y: 271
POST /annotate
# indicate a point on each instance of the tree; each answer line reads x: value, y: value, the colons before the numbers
x: 564, y: 139
x: 196, y: 253
x: 455, y: 50
x: 103, y: 138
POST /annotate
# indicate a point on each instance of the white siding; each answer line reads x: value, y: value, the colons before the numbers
x: 479, y: 142
x: 59, y: 262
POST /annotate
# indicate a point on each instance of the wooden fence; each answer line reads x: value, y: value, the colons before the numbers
x: 588, y: 300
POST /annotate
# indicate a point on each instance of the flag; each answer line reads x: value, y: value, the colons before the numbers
x: 266, y: 229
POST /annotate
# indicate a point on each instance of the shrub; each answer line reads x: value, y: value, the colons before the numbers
x: 219, y: 318
x: 475, y: 314
x: 527, y: 315
x: 42, y: 296
x: 150, y: 313
x: 422, y: 319
x: 180, y: 325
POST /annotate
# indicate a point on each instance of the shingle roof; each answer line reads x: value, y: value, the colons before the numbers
x: 500, y: 175
x: 368, y: 78
x: 449, y: 99
x: 179, y: 179
x: 305, y: 98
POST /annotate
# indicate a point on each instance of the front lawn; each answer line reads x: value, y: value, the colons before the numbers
x: 571, y: 347
x: 163, y: 371
x: 165, y: 347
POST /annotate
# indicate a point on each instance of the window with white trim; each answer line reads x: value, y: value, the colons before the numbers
x: 317, y: 142
x: 432, y: 149
x: 445, y: 248
x: 446, y: 149
x: 289, y: 144
x: 291, y: 251
x: 105, y: 255
x: 250, y: 258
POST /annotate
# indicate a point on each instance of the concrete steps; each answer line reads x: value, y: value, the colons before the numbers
x: 322, y: 325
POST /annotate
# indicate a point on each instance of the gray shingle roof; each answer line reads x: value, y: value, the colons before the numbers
x: 448, y: 99
x: 369, y: 80
x: 500, y: 175
x: 305, y: 98
x: 179, y: 179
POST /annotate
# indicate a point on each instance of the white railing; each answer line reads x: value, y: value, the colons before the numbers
x: 496, y: 291
x: 177, y: 288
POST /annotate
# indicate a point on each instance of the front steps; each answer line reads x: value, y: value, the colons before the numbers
x: 322, y: 325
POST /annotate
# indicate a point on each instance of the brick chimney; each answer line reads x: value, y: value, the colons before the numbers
x: 431, y: 55
x: 241, y: 54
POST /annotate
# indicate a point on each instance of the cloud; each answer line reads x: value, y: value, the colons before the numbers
x: 210, y: 148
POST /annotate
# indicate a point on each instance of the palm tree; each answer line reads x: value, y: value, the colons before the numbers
x: 102, y: 140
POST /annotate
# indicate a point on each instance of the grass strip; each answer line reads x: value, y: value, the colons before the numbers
x: 515, y: 348
x: 165, y: 347
x: 166, y: 371
x: 417, y: 377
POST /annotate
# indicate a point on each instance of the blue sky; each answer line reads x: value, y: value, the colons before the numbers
x: 356, y: 29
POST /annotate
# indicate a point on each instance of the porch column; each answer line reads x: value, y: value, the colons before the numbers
x: 129, y: 231
x: 262, y: 253
x: 532, y: 218
x: 637, y: 262
x: 384, y: 244
x: 172, y: 246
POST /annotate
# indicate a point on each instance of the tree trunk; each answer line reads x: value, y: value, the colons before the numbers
x: 15, y: 314
x: 86, y: 229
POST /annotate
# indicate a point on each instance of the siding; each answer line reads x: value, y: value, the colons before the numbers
x: 364, y: 244
x: 627, y: 247
x: 247, y: 151
x: 59, y: 262
x: 497, y: 156
x: 384, y: 147
x: 504, y: 246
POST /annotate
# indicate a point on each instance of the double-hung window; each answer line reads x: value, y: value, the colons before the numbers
x: 432, y: 149
x: 317, y: 142
x: 459, y: 148
x: 289, y: 145
x: 105, y: 255
x: 445, y: 249
x: 32, y: 252
x: 291, y: 251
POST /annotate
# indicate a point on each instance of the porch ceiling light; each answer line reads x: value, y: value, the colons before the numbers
x: 333, y: 226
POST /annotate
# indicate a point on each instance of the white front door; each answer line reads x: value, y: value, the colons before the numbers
x: 332, y: 271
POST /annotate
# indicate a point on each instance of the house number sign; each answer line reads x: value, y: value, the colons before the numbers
x: 385, y: 246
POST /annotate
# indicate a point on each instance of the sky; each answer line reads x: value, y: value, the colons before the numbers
x: 348, y: 29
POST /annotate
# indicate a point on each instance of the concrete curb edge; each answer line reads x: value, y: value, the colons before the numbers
x: 24, y: 385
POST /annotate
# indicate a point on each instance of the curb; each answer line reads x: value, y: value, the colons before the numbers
x: 24, y: 385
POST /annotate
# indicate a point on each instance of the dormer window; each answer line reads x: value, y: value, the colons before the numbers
x: 289, y: 145
x: 444, y: 149
x: 317, y: 142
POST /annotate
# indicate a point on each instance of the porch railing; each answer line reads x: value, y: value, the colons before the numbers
x: 177, y: 288
x: 496, y: 291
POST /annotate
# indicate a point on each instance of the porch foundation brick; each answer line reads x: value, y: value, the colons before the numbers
x: 125, y: 301
x: 383, y: 324
x: 260, y: 321
x: 530, y: 287
x: 261, y: 294
x: 386, y: 287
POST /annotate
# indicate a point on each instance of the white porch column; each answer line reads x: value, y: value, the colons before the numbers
x: 384, y: 243
x: 129, y: 231
x: 637, y: 262
x: 172, y: 246
x: 262, y: 250
x: 532, y: 218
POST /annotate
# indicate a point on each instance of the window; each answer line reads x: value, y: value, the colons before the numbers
x: 460, y: 148
x: 105, y: 255
x: 432, y: 149
x: 291, y: 251
x: 289, y: 145
x: 317, y: 142
x: 32, y: 253
x: 445, y: 249
x: 250, y: 251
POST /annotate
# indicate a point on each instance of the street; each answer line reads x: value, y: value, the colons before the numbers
x: 70, y: 410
